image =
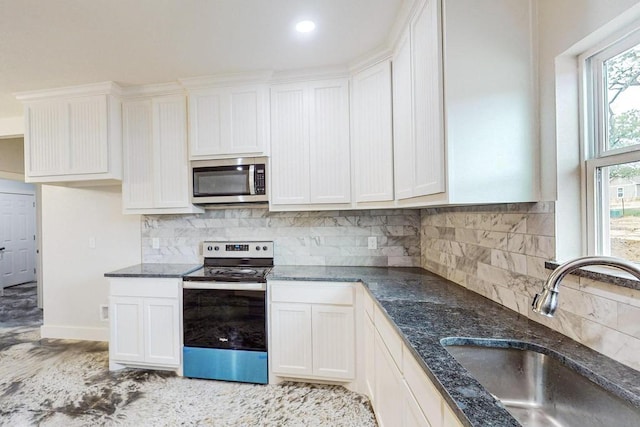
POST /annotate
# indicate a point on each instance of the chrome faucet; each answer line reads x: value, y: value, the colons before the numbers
x: 546, y: 302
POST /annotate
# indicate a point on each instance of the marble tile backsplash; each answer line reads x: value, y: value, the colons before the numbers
x: 499, y: 252
x: 301, y: 238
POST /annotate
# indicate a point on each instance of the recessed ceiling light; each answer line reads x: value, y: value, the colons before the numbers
x: 305, y: 26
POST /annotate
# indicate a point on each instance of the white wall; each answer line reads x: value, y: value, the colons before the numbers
x: 16, y: 187
x: 11, y: 127
x: 12, y: 158
x: 567, y: 29
x: 562, y: 24
x: 73, y: 282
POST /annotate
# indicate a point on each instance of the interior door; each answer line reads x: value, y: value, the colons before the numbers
x: 17, y: 236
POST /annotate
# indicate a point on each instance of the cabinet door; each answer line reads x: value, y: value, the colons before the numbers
x: 290, y: 349
x: 403, y: 143
x: 88, y: 135
x: 389, y: 389
x: 421, y: 387
x: 137, y: 139
x: 228, y: 121
x: 162, y: 331
x: 333, y: 341
x: 170, y: 151
x: 371, y: 138
x: 245, y: 123
x: 46, y: 136
x: 449, y: 419
x: 289, y: 145
x: 329, y: 164
x: 126, y: 342
x: 412, y: 415
x: 369, y: 359
x: 427, y: 101
x: 205, y: 122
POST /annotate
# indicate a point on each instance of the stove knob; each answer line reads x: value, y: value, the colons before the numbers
x: 217, y: 248
x: 264, y: 248
x: 257, y: 248
x: 209, y: 248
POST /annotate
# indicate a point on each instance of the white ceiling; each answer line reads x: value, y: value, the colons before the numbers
x: 54, y: 43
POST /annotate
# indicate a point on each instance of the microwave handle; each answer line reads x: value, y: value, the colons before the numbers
x: 252, y: 180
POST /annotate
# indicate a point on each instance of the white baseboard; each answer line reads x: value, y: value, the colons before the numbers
x: 74, y: 333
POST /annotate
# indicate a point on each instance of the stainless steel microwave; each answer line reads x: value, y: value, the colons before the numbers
x: 239, y: 180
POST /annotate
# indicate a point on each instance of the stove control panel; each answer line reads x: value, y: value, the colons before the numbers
x: 237, y: 249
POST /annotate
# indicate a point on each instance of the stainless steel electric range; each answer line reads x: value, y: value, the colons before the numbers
x: 224, y: 313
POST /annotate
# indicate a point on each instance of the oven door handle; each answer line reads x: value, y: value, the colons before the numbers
x: 227, y: 286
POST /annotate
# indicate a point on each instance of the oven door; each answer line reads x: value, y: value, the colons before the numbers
x: 225, y: 315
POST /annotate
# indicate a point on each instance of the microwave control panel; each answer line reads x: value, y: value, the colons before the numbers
x: 260, y: 179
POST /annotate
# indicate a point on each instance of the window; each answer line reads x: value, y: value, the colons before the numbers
x: 612, y: 151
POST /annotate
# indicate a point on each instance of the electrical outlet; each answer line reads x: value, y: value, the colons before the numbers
x: 372, y: 242
x: 104, y: 312
x: 155, y: 243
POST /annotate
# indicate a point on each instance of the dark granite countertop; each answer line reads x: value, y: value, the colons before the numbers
x: 426, y: 309
x: 155, y: 270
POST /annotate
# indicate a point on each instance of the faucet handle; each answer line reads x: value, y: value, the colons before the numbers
x: 535, y: 301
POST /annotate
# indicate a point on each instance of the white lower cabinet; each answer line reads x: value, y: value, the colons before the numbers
x: 144, y: 323
x: 369, y: 358
x: 126, y: 342
x: 312, y: 329
x: 333, y: 341
x: 402, y: 394
x: 313, y: 336
x: 412, y: 415
x: 389, y: 386
x: 291, y: 330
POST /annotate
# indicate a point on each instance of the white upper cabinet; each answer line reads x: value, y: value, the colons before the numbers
x: 289, y: 144
x: 464, y: 104
x: 227, y: 119
x: 427, y: 102
x: 156, y: 169
x: 330, y: 163
x: 310, y: 160
x: 137, y: 134
x: 490, y: 99
x: 417, y: 101
x: 73, y: 134
x: 403, y: 141
x: 371, y: 133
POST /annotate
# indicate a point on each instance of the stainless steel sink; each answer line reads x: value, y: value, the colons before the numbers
x: 539, y: 390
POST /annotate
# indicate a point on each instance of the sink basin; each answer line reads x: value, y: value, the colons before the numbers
x: 539, y: 390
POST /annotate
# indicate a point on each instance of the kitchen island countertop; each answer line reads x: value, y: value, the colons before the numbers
x: 426, y: 308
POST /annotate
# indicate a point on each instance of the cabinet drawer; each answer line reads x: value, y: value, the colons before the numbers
x: 312, y: 292
x: 422, y: 388
x: 390, y: 337
x: 146, y: 287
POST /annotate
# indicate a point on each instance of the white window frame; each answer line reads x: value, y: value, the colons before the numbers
x: 594, y: 133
